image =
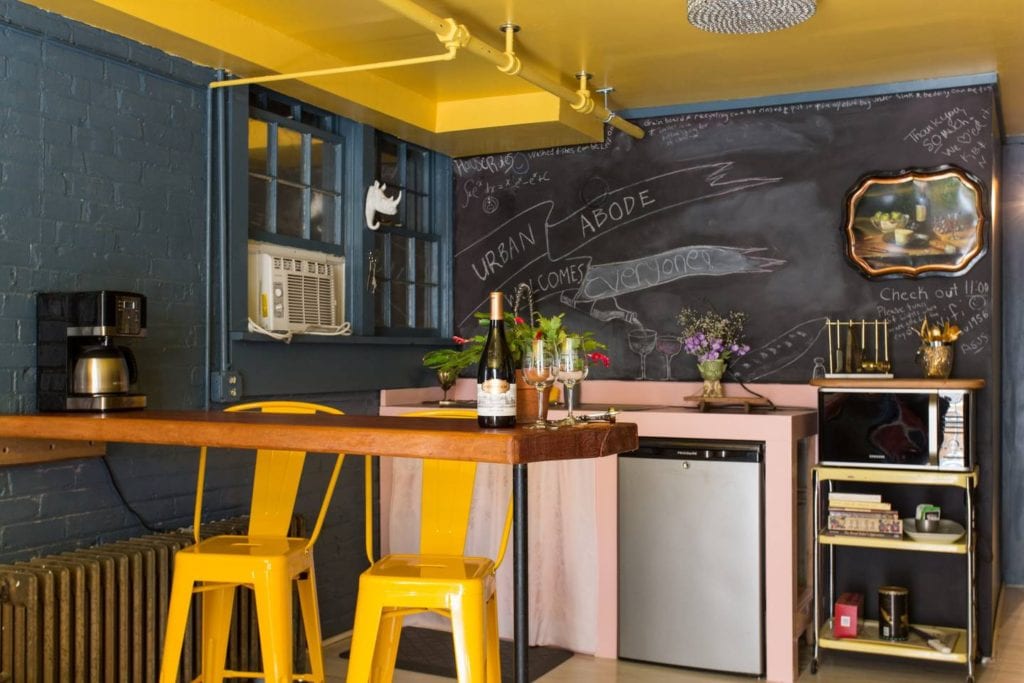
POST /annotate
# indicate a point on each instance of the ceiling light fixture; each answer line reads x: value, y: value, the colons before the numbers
x: 748, y: 16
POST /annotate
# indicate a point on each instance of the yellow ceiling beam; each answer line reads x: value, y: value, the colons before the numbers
x: 217, y: 35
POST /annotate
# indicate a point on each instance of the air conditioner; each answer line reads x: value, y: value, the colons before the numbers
x: 295, y: 290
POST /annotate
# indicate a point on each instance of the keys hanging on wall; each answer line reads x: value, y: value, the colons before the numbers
x: 371, y: 273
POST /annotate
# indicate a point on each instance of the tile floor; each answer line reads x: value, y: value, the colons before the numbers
x: 1007, y: 666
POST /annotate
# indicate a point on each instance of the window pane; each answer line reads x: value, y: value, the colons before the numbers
x: 257, y: 146
x: 400, y: 304
x: 326, y: 161
x: 399, y: 258
x: 289, y: 155
x: 426, y: 305
x: 289, y: 210
x: 425, y: 267
x: 259, y: 195
x: 415, y: 169
x: 382, y: 297
x: 324, y: 211
x: 387, y: 161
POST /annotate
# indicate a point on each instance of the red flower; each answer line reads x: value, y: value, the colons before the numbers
x: 539, y: 335
x: 600, y: 358
x: 459, y: 340
x: 519, y: 321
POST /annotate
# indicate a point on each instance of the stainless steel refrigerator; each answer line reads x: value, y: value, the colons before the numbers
x: 691, y: 554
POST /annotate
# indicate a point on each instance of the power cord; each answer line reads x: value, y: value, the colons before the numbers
x: 771, y: 404
x: 124, y: 500
x: 344, y: 330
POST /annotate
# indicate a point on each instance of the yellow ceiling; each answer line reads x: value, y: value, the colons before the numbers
x: 645, y: 49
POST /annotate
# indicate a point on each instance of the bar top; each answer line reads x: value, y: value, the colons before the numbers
x: 415, y: 437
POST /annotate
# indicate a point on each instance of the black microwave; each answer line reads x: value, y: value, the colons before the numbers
x: 900, y: 428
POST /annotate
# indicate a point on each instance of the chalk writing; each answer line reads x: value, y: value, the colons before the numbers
x: 511, y: 163
x: 514, y: 250
x: 614, y: 279
x: 955, y: 133
x: 966, y: 303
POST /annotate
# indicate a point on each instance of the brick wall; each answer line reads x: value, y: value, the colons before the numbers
x: 102, y: 186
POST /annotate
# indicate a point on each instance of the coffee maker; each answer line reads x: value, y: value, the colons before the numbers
x: 79, y: 365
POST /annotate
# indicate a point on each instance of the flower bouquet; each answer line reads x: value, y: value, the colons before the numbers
x: 713, y: 338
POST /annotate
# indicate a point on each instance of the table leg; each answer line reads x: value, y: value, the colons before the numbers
x: 520, y: 576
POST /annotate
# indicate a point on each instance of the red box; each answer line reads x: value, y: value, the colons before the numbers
x: 847, y: 615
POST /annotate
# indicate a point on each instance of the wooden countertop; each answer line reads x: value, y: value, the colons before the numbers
x: 358, y: 434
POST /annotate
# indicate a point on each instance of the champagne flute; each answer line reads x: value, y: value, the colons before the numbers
x: 670, y: 346
x: 572, y: 369
x: 641, y: 342
x: 540, y: 365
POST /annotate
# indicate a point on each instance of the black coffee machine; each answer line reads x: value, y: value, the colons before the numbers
x: 79, y: 366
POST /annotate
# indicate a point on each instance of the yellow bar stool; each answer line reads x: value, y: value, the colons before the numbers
x: 265, y: 560
x: 440, y: 578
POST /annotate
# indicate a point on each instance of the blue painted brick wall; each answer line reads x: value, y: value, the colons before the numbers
x: 102, y: 186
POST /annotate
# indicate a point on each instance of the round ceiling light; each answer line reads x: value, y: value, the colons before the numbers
x: 748, y: 16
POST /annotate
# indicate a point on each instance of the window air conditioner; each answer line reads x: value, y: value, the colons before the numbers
x: 295, y: 290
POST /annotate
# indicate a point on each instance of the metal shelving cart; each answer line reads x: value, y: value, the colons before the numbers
x: 964, y: 641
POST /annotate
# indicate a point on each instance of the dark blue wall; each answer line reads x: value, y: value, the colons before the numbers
x: 103, y: 172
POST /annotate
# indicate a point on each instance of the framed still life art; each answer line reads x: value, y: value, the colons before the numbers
x: 915, y: 222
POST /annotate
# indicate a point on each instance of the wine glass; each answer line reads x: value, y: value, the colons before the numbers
x: 641, y: 342
x: 670, y: 346
x: 572, y: 369
x: 540, y: 364
x: 446, y: 377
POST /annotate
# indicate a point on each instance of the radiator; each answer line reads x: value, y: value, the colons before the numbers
x: 98, y: 614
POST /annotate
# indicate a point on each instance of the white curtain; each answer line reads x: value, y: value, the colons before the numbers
x: 562, y: 536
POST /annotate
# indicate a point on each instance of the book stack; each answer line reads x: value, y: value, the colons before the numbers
x: 862, y: 514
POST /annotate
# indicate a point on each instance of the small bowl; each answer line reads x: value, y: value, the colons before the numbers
x: 927, y: 526
x: 893, y: 222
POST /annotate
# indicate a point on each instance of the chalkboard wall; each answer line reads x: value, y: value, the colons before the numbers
x: 736, y: 210
x: 743, y: 210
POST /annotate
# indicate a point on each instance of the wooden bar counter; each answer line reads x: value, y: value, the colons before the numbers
x: 356, y: 434
x: 369, y: 434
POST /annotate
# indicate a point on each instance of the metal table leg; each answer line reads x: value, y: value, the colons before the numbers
x: 520, y: 575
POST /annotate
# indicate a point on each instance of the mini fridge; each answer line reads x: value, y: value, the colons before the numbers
x: 691, y: 554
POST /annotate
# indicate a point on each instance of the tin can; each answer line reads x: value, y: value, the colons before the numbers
x: 893, y: 616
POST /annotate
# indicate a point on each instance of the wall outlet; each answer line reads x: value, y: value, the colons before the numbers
x: 226, y: 387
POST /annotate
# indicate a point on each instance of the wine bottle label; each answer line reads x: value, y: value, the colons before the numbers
x: 495, y: 397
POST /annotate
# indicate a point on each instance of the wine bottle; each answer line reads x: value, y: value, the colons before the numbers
x: 495, y: 376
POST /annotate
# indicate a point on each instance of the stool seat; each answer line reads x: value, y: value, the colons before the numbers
x: 422, y: 568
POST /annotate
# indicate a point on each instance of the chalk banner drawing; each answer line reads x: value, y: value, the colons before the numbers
x: 535, y: 247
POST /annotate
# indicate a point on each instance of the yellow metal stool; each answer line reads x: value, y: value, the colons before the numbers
x: 265, y: 560
x: 439, y: 579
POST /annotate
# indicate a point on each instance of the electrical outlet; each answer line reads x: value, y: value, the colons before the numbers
x: 226, y: 387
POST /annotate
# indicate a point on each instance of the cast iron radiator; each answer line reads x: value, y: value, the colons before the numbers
x: 98, y: 615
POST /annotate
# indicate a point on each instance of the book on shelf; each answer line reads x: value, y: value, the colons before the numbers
x: 866, y: 534
x: 859, y: 505
x: 836, y: 496
x: 881, y: 524
x: 864, y: 514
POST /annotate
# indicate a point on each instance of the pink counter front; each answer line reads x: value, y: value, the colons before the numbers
x: 657, y: 409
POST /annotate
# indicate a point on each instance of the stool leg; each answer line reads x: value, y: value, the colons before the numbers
x: 217, y: 604
x: 364, y: 635
x: 468, y: 634
x: 386, y: 650
x: 311, y: 624
x: 177, y: 622
x: 274, y: 616
x: 493, y: 642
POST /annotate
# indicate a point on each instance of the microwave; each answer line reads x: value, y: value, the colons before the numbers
x: 899, y: 428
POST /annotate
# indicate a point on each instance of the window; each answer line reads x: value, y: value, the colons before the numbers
x: 295, y: 172
x: 407, y: 245
x: 306, y: 175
